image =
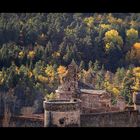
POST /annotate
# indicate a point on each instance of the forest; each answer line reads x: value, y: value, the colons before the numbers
x: 36, y: 48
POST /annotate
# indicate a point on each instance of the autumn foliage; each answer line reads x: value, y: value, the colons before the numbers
x: 136, y: 45
x: 36, y: 49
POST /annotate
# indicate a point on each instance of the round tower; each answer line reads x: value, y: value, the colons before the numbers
x: 61, y: 113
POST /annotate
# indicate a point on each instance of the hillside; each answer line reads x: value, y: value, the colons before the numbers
x: 36, y: 48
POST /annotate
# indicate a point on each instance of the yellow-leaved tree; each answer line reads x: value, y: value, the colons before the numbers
x: 50, y: 72
x: 69, y: 32
x: 131, y: 36
x: 116, y: 91
x: 133, y: 56
x: 112, y: 39
x: 51, y: 96
x: 62, y: 71
x: 136, y: 45
x: 42, y: 79
x: 1, y: 78
x: 21, y: 54
x: 105, y: 26
x: 31, y: 54
x: 89, y: 21
x: 56, y: 54
x: 132, y: 33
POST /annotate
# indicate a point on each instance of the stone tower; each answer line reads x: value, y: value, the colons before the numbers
x: 61, y: 113
x: 65, y: 110
x: 69, y: 88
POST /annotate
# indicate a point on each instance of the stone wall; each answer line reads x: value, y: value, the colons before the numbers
x: 23, y: 121
x: 92, y: 103
x: 63, y: 95
x: 110, y: 119
x: 64, y: 119
x: 90, y: 100
x: 62, y: 114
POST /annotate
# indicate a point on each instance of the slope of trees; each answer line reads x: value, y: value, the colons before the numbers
x: 36, y: 48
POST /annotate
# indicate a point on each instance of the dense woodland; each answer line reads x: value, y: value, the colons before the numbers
x: 36, y: 48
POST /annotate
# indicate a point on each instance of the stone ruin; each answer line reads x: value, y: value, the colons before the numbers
x: 61, y: 113
x: 78, y: 106
x: 65, y: 110
x: 69, y: 87
x: 72, y: 101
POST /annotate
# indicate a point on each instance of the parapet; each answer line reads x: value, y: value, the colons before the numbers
x: 61, y: 105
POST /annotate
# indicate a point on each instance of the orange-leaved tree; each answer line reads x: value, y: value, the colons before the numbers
x: 62, y: 71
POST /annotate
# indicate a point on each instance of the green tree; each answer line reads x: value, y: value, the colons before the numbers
x: 100, y: 77
x: 96, y: 66
x: 90, y: 65
x: 127, y: 84
x: 82, y: 65
x: 119, y: 75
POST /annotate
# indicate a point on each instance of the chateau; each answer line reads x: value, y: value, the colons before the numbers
x: 77, y: 104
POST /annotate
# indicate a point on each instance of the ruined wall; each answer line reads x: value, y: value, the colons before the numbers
x: 110, y: 119
x: 97, y: 103
x: 63, y: 95
x: 90, y: 100
x: 64, y: 119
x: 92, y: 103
x: 26, y: 122
x: 22, y: 121
x: 62, y: 114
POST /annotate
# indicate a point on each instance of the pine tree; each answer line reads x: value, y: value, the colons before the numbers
x: 119, y: 75
x: 128, y: 83
x: 96, y: 66
x: 90, y: 65
x: 82, y: 65
x: 100, y: 78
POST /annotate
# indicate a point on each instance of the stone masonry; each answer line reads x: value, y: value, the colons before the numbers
x: 60, y: 113
x: 84, y: 107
